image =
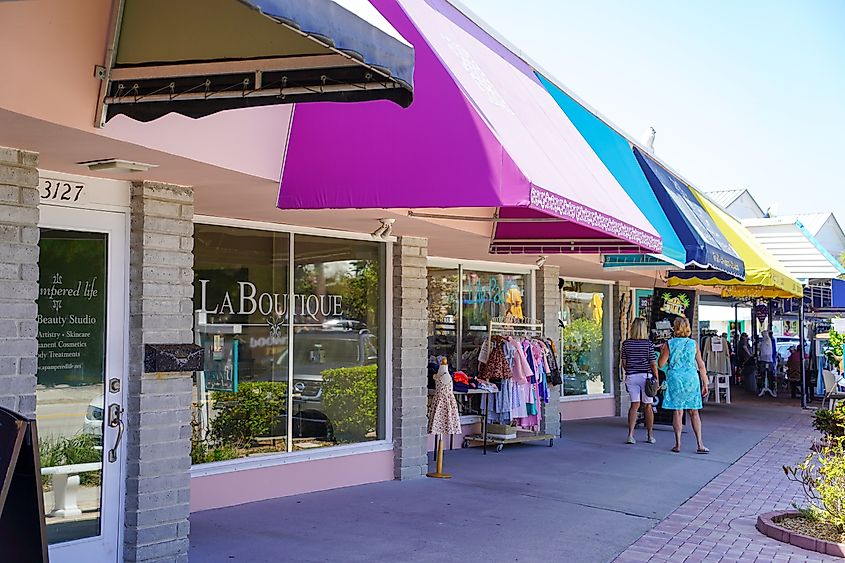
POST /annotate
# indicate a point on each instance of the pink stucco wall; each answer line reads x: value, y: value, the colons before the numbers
x: 239, y: 487
x: 49, y: 55
x: 457, y: 439
x: 588, y: 408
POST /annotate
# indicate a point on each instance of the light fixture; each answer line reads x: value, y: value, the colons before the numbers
x: 116, y: 164
x: 383, y: 230
x: 541, y: 261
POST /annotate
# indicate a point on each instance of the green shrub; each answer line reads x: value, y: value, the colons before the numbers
x: 822, y: 475
x: 82, y: 448
x: 253, y: 411
x: 201, y: 453
x: 831, y: 423
x: 350, y: 398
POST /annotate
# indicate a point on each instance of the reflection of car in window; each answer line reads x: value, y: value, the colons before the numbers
x: 316, y: 351
x: 319, y: 350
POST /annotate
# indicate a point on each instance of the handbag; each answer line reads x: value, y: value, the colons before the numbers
x: 652, y: 387
x: 553, y: 377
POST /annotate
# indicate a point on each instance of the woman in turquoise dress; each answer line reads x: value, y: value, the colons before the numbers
x: 686, y: 381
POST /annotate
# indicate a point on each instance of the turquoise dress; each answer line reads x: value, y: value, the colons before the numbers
x: 683, y: 386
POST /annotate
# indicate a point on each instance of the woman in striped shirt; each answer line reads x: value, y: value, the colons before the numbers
x: 639, y: 363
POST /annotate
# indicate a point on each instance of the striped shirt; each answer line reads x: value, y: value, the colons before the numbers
x: 638, y: 355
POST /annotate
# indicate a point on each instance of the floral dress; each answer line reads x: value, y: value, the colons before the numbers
x: 683, y: 386
x: 443, y: 415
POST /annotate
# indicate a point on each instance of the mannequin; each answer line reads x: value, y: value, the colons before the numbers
x: 443, y: 415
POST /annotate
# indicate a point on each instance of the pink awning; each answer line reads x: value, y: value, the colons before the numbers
x: 481, y: 132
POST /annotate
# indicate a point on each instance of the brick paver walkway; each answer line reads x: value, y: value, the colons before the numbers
x: 717, y: 524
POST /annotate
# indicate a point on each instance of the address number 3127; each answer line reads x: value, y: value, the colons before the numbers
x: 59, y: 190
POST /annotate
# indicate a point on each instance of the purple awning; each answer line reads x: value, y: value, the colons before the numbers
x: 481, y: 132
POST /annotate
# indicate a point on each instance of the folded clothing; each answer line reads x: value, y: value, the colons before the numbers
x: 460, y: 377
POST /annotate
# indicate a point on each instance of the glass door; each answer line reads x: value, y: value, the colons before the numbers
x: 80, y: 380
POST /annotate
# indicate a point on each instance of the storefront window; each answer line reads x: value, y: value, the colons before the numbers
x: 485, y: 296
x: 584, y: 318
x: 248, y: 401
x: 336, y: 395
x: 443, y: 314
x: 461, y: 303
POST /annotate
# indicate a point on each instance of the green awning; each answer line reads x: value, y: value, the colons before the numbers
x: 197, y: 57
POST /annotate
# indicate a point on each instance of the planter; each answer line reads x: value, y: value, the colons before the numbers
x: 768, y: 524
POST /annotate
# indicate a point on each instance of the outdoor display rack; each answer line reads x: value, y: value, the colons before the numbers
x: 507, y: 326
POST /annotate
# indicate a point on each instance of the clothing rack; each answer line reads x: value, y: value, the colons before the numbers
x: 502, y: 326
x: 717, y: 360
x: 507, y: 326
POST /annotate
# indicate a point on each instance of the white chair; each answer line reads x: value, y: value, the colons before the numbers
x: 719, y: 382
x: 832, y: 394
x: 723, y: 383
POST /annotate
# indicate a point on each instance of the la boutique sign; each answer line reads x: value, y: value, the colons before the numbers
x: 248, y: 301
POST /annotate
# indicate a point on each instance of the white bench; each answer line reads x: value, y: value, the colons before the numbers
x: 66, y: 487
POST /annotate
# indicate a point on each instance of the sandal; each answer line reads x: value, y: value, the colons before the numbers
x: 702, y: 451
x: 676, y: 449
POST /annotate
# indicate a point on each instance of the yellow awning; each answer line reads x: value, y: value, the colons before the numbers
x: 765, y: 276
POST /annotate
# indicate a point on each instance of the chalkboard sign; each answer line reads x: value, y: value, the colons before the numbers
x: 23, y: 534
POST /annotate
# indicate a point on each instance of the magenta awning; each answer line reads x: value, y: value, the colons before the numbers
x: 482, y: 132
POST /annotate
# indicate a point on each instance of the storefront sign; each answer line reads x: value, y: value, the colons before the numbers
x: 478, y: 293
x: 762, y: 312
x: 71, y: 309
x: 247, y: 301
x: 667, y: 305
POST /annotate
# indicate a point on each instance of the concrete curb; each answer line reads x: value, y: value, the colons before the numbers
x: 767, y: 524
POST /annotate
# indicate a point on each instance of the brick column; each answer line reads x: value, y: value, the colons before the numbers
x: 159, y: 405
x: 620, y: 394
x: 18, y: 279
x: 548, y: 309
x: 410, y: 357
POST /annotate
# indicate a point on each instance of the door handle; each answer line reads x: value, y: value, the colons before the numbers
x: 115, y: 421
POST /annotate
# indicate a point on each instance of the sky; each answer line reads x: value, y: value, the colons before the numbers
x: 743, y: 94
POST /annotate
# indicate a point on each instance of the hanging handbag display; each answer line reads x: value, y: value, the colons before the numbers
x: 553, y: 377
x: 652, y: 387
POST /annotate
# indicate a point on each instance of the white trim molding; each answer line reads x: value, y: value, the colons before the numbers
x: 286, y: 228
x: 480, y: 265
x: 573, y: 398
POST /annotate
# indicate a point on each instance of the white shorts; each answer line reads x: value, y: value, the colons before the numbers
x: 635, y: 383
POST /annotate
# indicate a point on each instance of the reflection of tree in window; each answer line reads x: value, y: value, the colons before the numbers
x: 583, y: 361
x: 360, y: 290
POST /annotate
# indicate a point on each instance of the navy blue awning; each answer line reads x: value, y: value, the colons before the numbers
x: 706, y: 246
x: 352, y: 26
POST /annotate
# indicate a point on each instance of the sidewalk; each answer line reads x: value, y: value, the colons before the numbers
x: 718, y: 523
x: 586, y: 499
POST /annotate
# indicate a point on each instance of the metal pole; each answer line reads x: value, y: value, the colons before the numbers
x: 735, y: 342
x: 801, y: 354
x: 736, y: 331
